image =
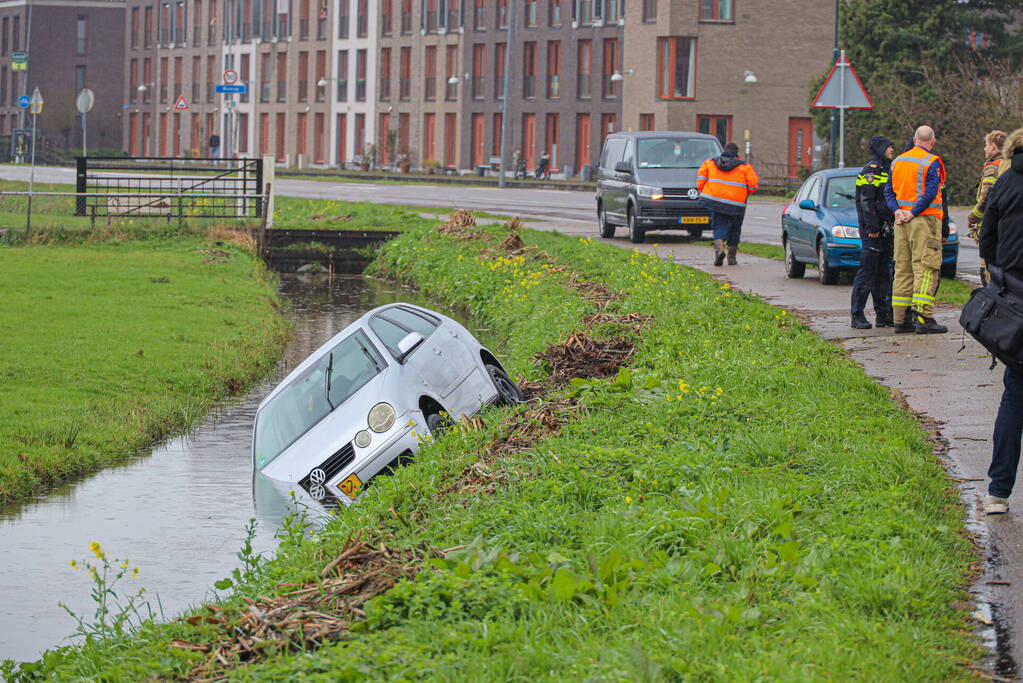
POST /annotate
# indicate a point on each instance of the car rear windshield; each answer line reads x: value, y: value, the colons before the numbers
x: 676, y: 152
x: 841, y: 192
x: 310, y: 397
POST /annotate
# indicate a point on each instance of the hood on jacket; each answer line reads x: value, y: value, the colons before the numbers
x: 1012, y: 143
x: 728, y: 162
x: 879, y: 144
x: 1017, y: 161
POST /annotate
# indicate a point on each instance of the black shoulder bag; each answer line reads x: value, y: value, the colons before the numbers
x: 994, y: 317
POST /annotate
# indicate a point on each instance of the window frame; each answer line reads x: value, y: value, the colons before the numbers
x: 715, y: 15
x: 667, y: 46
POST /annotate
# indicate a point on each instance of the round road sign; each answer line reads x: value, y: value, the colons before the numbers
x: 85, y: 100
x: 230, y: 77
x: 24, y: 101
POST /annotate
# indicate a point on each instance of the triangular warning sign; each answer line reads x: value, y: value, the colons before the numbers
x: 842, y: 89
x: 181, y: 103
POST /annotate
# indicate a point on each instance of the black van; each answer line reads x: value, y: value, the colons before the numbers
x: 647, y: 181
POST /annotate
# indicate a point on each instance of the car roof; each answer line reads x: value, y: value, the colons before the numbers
x: 681, y: 134
x: 837, y: 172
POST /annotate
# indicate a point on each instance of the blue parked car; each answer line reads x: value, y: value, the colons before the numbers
x: 819, y: 226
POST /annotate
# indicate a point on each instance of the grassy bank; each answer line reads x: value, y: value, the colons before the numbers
x: 112, y: 345
x: 742, y: 503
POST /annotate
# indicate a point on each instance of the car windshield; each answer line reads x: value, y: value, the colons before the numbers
x: 841, y: 193
x: 311, y: 396
x: 676, y: 152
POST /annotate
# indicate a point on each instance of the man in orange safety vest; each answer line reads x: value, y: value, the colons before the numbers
x: 725, y: 182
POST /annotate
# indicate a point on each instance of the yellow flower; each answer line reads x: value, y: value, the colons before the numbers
x: 96, y: 549
x: 74, y: 565
x: 134, y: 572
x: 628, y: 500
x: 124, y: 565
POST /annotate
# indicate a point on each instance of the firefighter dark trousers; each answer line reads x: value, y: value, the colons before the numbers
x: 917, y: 266
x: 1006, y: 437
x: 874, y: 279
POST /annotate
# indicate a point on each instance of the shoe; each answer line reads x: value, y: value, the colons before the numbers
x: 731, y: 256
x: 719, y: 252
x: 905, y: 326
x: 884, y: 323
x: 996, y: 506
x: 859, y: 322
x: 929, y: 326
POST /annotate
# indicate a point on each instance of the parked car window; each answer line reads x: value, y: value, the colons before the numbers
x: 613, y: 149
x: 310, y: 397
x: 813, y: 190
x: 841, y: 192
x: 630, y: 152
x: 394, y: 324
x: 676, y: 152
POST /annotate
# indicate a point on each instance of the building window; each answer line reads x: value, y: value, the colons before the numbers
x: 321, y: 21
x: 133, y: 81
x: 244, y: 74
x: 404, y: 131
x: 360, y: 76
x: 450, y: 139
x: 677, y: 74
x: 716, y: 10
x: 529, y: 70
x: 451, y: 75
x: 320, y: 75
x: 479, y: 14
x: 134, y: 30
x: 551, y: 140
x: 429, y: 136
x: 554, y: 13
x: 585, y: 12
x: 585, y: 66
x: 431, y: 20
x: 342, y: 18
x: 360, y: 135
x: 303, y: 76
x: 716, y: 125
x: 80, y: 34
x: 147, y: 78
x: 649, y: 10
x: 612, y: 11
x: 498, y: 123
x: 211, y: 32
x: 342, y: 139
x: 405, y: 74
x: 646, y: 122
x: 264, y: 77
x: 502, y: 13
x: 609, y: 88
x: 243, y: 133
x: 79, y: 77
x: 384, y: 142
x: 406, y: 17
x: 500, y: 55
x: 362, y: 20
x: 282, y: 76
x: 608, y: 125
x: 16, y: 34
x: 479, y: 65
x: 342, y: 75
x: 531, y: 12
x: 385, y: 73
x: 303, y: 20
x: 430, y: 71
x: 554, y: 69
x: 386, y: 17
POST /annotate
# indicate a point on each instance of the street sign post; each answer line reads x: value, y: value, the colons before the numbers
x: 239, y: 89
x: 21, y: 142
x: 842, y: 90
x: 35, y: 107
x: 84, y: 103
x: 181, y: 104
x: 230, y: 77
x: 19, y: 61
x: 24, y: 101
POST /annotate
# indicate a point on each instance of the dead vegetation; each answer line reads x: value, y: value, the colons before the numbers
x: 581, y: 355
x: 305, y: 617
x: 461, y: 225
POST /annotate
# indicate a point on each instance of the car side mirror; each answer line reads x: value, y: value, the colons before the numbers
x: 408, y: 344
x: 623, y: 167
x: 807, y: 204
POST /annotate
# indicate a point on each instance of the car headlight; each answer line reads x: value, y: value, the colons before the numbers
x: 381, y: 417
x: 952, y: 229
x: 649, y: 192
x: 846, y: 231
x: 363, y: 438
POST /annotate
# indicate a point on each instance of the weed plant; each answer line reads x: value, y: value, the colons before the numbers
x: 742, y: 503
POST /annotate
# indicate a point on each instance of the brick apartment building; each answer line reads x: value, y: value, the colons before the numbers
x: 334, y: 81
x: 71, y: 44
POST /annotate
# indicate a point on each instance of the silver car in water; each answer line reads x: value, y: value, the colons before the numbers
x: 362, y: 403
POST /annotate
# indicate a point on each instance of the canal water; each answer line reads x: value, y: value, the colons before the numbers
x: 178, y: 514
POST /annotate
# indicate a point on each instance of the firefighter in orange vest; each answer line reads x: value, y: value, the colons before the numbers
x: 724, y: 183
x: 993, y: 142
x: 913, y: 192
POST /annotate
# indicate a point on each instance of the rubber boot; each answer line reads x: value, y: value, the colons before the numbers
x: 907, y: 324
x: 719, y: 252
x: 860, y: 322
x: 929, y: 326
x: 731, y: 255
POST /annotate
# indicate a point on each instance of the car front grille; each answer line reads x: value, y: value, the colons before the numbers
x: 327, y: 470
x: 675, y: 192
x: 692, y: 209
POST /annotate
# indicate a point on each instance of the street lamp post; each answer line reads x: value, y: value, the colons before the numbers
x: 504, y: 103
x: 834, y: 119
x: 35, y: 107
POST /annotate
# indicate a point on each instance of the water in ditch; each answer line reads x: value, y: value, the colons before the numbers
x: 178, y: 514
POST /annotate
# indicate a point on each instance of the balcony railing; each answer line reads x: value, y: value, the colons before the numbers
x: 430, y: 88
x: 386, y: 23
x: 244, y: 97
x: 282, y: 91
x: 584, y: 86
x: 209, y: 93
x: 529, y: 87
x: 385, y: 89
x: 450, y: 90
x: 147, y: 38
x: 342, y: 26
x: 177, y: 91
x: 264, y: 91
x: 360, y: 91
x: 246, y: 31
x: 164, y: 36
x: 498, y: 86
x: 197, y: 35
x: 196, y: 92
x: 432, y: 21
x: 267, y: 31
x: 406, y: 22
x: 362, y: 26
x: 477, y: 88
x: 321, y: 28
x: 303, y: 91
x: 179, y: 36
x: 342, y: 91
x: 404, y: 88
x: 609, y: 87
x: 303, y: 29
x: 211, y: 35
x: 321, y: 91
x: 553, y: 86
x: 163, y: 93
x: 453, y: 17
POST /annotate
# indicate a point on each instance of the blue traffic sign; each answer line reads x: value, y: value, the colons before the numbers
x: 239, y: 89
x: 24, y: 101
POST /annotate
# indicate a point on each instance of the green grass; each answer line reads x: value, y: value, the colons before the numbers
x: 950, y: 291
x: 743, y: 503
x: 109, y: 347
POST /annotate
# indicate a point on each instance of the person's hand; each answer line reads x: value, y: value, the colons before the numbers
x: 903, y: 216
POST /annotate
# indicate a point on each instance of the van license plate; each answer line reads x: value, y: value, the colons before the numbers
x: 351, y: 486
x: 694, y: 219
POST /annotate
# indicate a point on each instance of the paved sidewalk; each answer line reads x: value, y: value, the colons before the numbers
x: 955, y: 393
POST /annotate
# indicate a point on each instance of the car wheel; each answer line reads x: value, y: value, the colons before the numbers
x: 828, y: 275
x: 636, y: 233
x: 508, y: 393
x: 948, y: 270
x: 438, y: 424
x: 793, y: 268
x: 607, y: 230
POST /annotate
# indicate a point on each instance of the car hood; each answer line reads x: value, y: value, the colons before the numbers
x: 666, y: 177
x: 844, y: 216
x: 333, y: 432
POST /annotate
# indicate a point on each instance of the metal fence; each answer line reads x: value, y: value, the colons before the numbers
x: 169, y: 188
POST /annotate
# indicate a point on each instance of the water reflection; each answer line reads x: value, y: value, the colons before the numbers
x: 178, y: 514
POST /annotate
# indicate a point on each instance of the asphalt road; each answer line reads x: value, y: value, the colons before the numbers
x: 576, y: 209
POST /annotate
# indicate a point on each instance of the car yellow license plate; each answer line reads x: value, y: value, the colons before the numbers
x: 350, y: 486
x: 694, y: 219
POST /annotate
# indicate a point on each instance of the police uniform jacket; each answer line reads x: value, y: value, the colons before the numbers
x: 873, y: 212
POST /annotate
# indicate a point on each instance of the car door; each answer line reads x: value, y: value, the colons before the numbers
x: 612, y: 187
x: 804, y: 244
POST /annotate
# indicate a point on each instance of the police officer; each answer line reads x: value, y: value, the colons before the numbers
x: 913, y: 193
x: 993, y: 142
x: 874, y: 275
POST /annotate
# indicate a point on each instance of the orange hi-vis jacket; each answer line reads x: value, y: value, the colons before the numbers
x: 729, y: 187
x: 908, y: 176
